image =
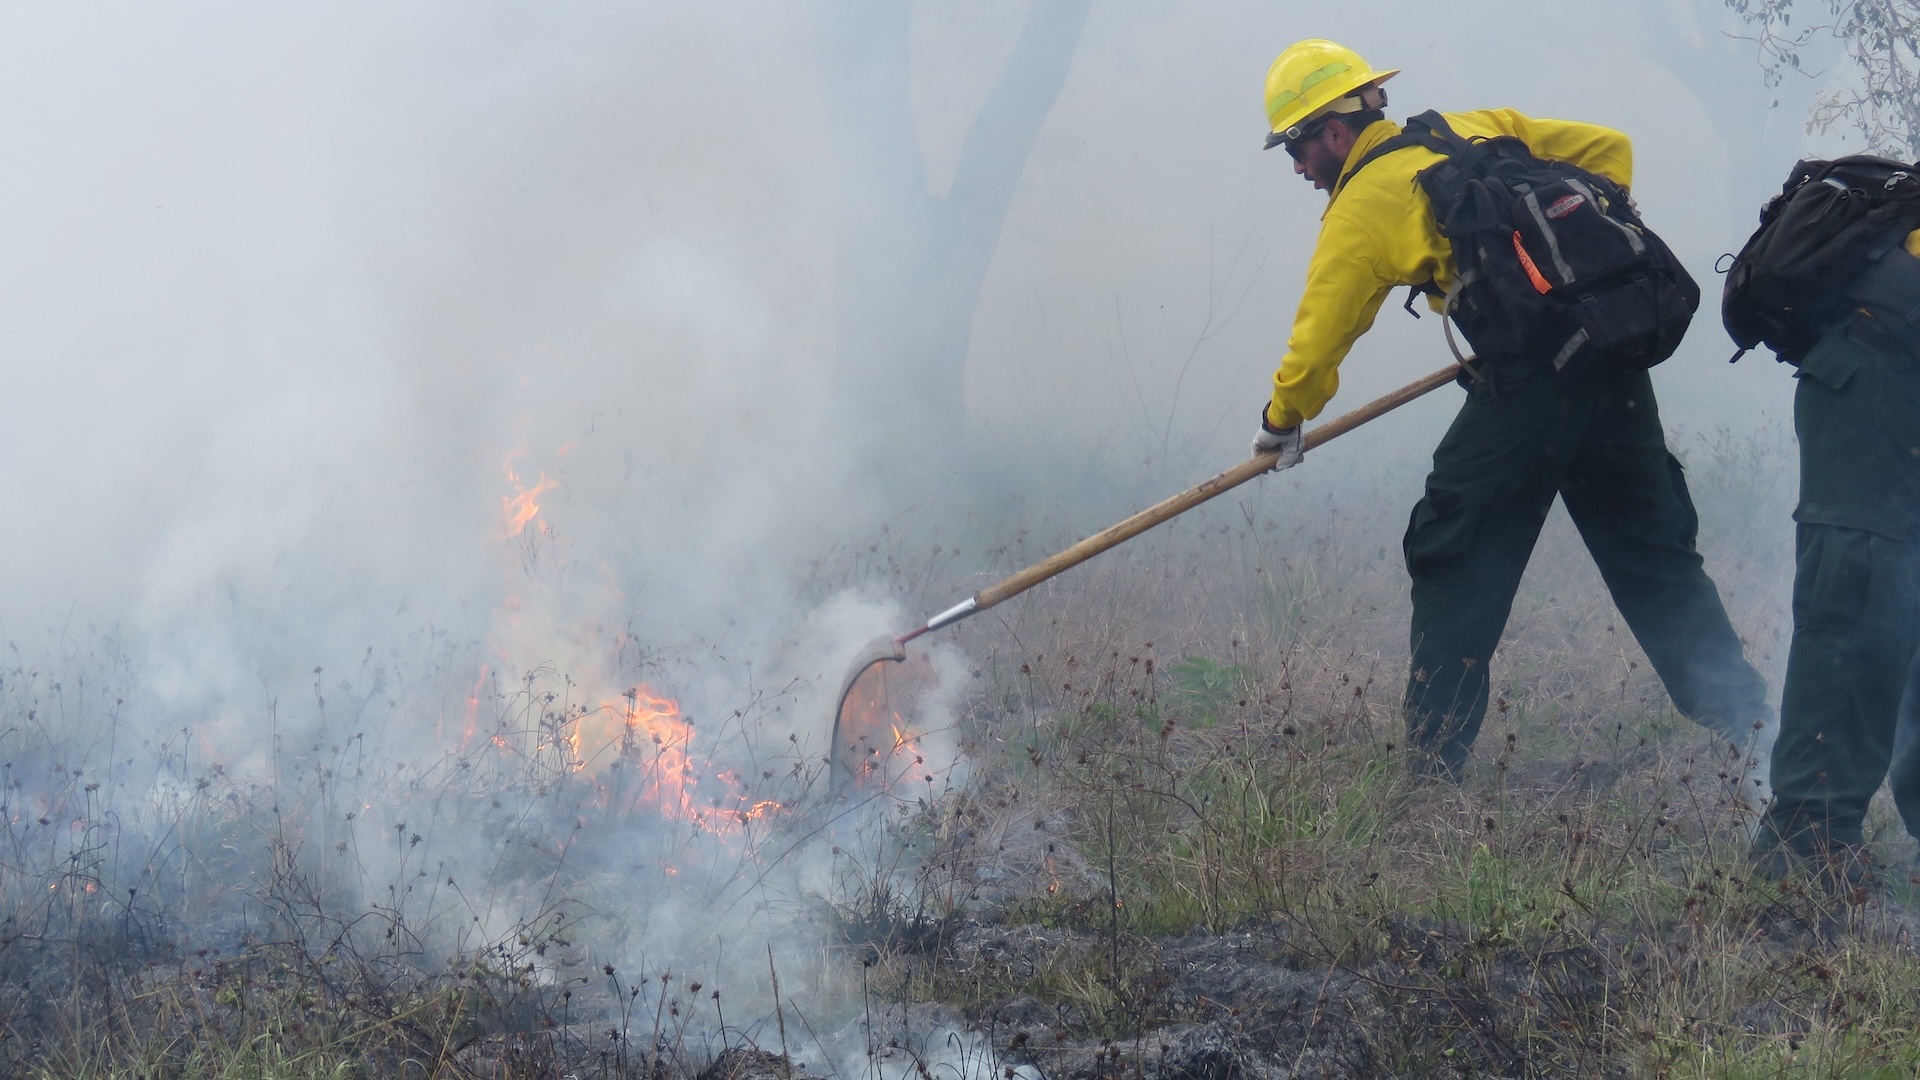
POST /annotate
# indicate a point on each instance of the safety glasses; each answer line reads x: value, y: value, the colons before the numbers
x: 1295, y: 139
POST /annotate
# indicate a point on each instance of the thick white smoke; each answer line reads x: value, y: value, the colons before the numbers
x: 298, y: 300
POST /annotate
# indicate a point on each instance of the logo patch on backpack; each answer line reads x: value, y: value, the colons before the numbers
x: 1565, y: 206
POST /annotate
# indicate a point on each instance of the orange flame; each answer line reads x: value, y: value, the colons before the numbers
x: 520, y: 508
x: 635, y: 754
x: 875, y: 736
x: 470, y: 710
x: 639, y: 751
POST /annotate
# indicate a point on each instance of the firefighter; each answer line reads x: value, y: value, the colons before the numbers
x: 1524, y: 435
x: 1856, y: 585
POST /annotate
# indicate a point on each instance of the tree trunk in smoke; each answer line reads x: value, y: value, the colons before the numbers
x: 910, y: 265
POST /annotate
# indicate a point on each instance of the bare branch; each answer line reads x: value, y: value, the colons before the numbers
x: 1881, y: 40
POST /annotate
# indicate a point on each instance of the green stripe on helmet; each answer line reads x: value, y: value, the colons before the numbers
x: 1322, y: 75
x: 1288, y: 97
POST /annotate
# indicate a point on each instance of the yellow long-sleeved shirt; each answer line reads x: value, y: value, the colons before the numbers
x: 1378, y: 233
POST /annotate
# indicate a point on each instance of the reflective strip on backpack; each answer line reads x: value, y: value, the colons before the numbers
x: 1634, y: 240
x: 1572, y: 346
x: 1546, y: 230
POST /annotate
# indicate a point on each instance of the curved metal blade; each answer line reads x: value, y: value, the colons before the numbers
x: 878, y: 651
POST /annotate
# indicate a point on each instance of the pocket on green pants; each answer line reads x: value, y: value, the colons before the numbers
x: 1834, y: 361
x: 1833, y: 577
x: 1440, y: 529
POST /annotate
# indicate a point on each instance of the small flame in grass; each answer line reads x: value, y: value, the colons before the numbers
x: 635, y: 755
x: 876, y: 740
x: 470, y: 711
x: 519, y: 509
x: 639, y: 754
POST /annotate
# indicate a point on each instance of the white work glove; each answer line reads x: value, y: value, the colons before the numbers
x: 1286, y: 441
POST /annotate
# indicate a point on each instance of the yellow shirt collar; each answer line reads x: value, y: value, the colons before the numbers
x: 1376, y: 133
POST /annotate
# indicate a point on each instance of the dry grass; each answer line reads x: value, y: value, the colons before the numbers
x: 352, y: 915
x: 1200, y: 734
x: 1187, y: 848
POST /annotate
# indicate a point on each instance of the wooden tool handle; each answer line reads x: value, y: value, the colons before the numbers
x: 1179, y: 504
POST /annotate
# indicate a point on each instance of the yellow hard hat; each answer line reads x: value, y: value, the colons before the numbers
x: 1308, y: 78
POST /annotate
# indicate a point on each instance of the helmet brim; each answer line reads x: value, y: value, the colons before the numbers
x: 1298, y: 129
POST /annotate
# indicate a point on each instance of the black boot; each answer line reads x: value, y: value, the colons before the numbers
x: 1799, y: 844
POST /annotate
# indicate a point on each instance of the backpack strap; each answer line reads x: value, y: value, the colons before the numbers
x: 1398, y: 142
x: 1429, y: 129
x: 1436, y: 134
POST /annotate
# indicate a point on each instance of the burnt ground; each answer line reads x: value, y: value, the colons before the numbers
x: 1418, y: 999
x: 1255, y: 1005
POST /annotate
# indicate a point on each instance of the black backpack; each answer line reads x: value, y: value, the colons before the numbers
x: 1831, y: 218
x: 1551, y: 261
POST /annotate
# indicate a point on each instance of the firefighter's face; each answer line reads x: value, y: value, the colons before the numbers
x: 1320, y: 154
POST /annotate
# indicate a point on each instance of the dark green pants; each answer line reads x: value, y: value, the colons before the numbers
x: 1856, y: 588
x: 1523, y: 437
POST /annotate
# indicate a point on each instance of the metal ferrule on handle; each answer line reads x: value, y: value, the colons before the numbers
x: 952, y: 615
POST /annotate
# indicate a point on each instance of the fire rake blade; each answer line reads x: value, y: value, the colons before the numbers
x: 883, y: 649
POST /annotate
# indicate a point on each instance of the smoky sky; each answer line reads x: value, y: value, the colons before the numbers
x: 288, y: 289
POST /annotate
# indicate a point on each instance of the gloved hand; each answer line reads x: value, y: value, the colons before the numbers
x: 1287, y: 441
